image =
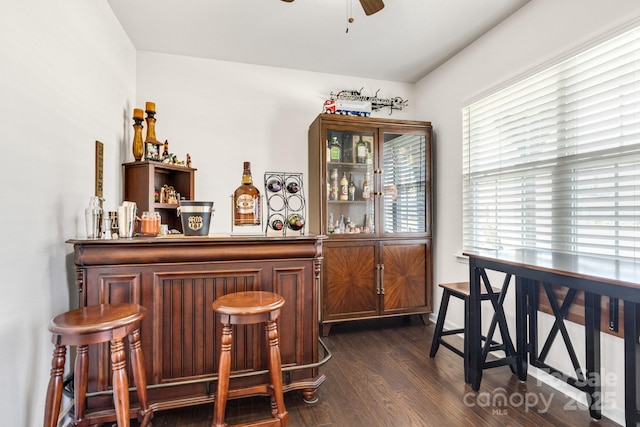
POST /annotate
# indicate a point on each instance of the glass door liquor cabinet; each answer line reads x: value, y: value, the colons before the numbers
x: 370, y: 192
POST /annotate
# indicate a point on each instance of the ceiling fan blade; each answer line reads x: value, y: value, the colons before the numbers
x: 371, y: 6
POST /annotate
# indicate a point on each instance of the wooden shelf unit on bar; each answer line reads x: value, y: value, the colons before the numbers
x: 380, y: 263
x: 142, y: 179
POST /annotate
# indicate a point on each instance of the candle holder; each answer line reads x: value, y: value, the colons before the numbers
x: 138, y: 146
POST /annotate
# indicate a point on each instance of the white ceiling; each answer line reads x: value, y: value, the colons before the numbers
x: 403, y: 42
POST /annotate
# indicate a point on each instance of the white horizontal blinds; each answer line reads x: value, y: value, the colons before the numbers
x: 404, y: 181
x: 553, y: 161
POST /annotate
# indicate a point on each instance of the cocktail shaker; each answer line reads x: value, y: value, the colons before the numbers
x: 92, y: 217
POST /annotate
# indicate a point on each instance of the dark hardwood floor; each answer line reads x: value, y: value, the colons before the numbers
x: 381, y: 375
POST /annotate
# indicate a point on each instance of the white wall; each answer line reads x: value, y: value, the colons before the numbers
x: 67, y: 79
x: 225, y: 113
x: 538, y: 33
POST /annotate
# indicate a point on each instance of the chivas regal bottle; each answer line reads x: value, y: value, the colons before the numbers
x: 246, y: 200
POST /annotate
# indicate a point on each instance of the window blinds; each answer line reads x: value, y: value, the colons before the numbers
x: 553, y: 161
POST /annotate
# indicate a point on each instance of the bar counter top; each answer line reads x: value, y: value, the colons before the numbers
x: 180, y: 248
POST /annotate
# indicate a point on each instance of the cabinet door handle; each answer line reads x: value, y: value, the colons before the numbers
x: 378, y: 184
x: 381, y: 279
x: 378, y: 279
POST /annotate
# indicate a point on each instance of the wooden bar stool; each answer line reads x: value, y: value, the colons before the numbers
x: 488, y: 293
x: 92, y: 325
x: 244, y: 308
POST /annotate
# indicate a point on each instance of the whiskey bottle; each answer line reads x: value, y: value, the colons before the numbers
x: 246, y: 200
x: 351, y: 188
x: 344, y: 187
x: 361, y: 151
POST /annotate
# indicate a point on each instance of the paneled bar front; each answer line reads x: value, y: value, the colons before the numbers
x: 176, y: 279
x: 616, y: 279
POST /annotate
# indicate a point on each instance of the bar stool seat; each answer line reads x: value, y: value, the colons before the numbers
x: 92, y: 325
x: 243, y: 308
x: 461, y: 290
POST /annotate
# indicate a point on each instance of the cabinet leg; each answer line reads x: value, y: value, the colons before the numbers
x: 309, y: 395
x: 326, y: 328
x: 425, y: 319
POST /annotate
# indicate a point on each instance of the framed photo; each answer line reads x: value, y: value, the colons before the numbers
x: 152, y: 151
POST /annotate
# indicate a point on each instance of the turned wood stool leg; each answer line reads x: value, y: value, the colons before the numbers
x: 120, y: 382
x: 224, y: 370
x: 54, y: 390
x: 275, y: 371
x: 80, y: 381
x: 139, y: 376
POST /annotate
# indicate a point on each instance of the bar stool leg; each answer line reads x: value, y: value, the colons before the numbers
x: 224, y: 370
x: 435, y: 344
x: 139, y: 376
x: 80, y: 382
x: 120, y: 382
x: 275, y: 370
x: 54, y: 389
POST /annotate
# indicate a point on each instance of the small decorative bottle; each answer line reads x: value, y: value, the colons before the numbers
x: 246, y: 200
x: 344, y: 187
x: 138, y: 146
x: 335, y: 190
x: 366, y: 189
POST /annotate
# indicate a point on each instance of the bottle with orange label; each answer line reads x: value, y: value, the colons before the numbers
x: 246, y: 200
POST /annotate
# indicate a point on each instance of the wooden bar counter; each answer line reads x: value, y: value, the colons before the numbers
x: 176, y: 278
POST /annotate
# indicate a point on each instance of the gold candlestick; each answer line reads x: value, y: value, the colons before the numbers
x: 138, y: 146
x: 150, y: 109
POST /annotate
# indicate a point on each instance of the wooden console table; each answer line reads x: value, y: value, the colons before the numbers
x: 596, y: 277
x: 176, y: 279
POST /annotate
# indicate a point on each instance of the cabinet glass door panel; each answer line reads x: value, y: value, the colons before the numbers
x: 349, y: 171
x: 403, y: 183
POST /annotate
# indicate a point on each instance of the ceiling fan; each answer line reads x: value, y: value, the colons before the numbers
x: 370, y: 6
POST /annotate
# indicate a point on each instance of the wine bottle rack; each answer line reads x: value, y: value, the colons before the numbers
x: 284, y: 194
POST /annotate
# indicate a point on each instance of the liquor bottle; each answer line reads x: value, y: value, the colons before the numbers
x: 334, y: 184
x: 361, y: 151
x: 335, y: 150
x: 277, y: 224
x: 344, y: 187
x: 246, y: 200
x: 347, y: 148
x: 293, y: 187
x: 366, y: 189
x: 274, y: 185
x: 352, y: 188
x: 330, y: 226
x: 295, y: 222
